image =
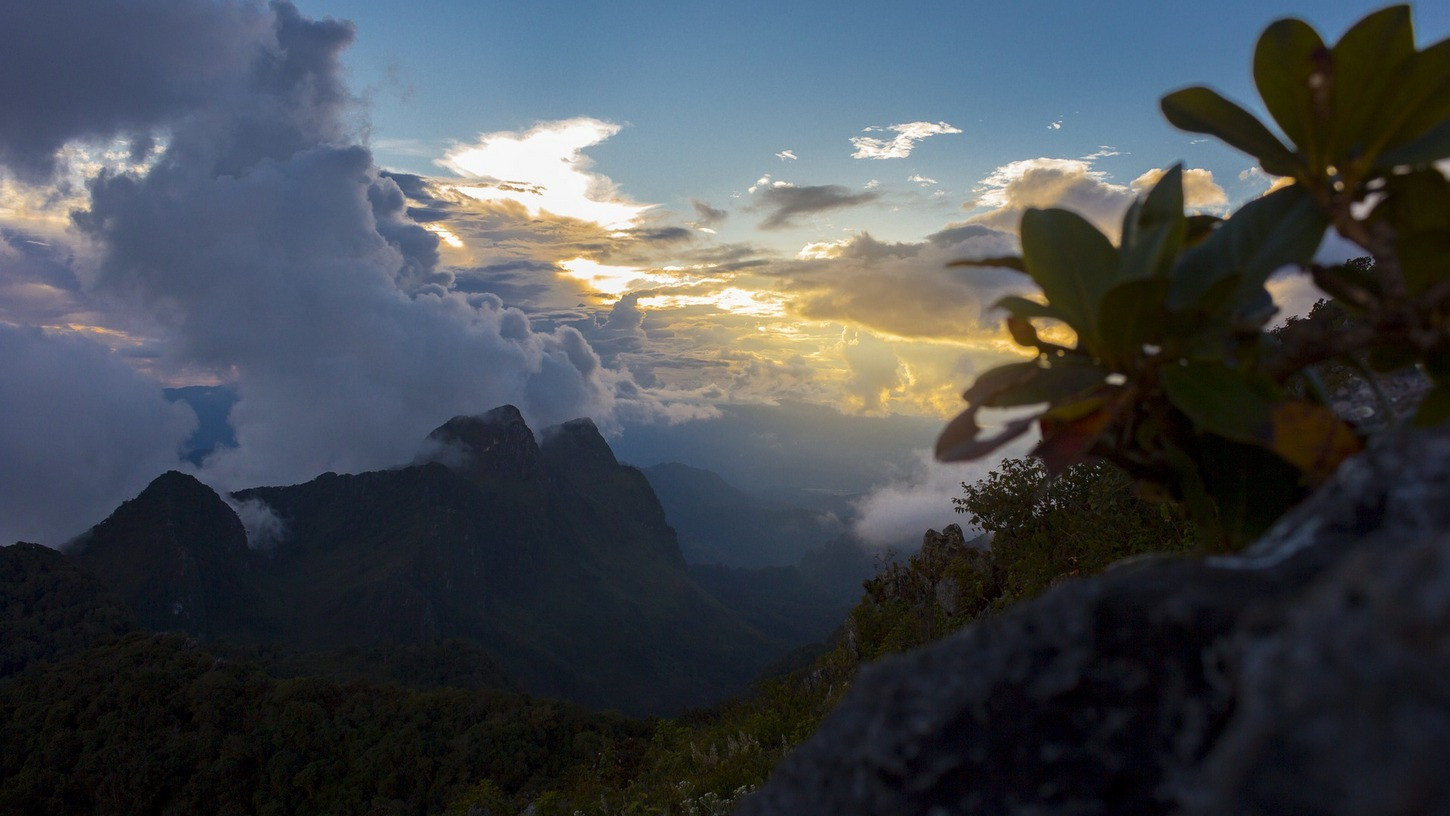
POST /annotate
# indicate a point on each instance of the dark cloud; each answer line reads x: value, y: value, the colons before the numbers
x: 785, y: 204
x: 662, y: 235
x: 94, y: 69
x: 958, y: 233
x: 705, y: 215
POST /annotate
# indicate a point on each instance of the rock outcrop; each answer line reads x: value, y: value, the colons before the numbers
x: 1306, y: 676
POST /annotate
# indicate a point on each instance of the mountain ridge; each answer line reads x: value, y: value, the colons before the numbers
x: 544, y: 551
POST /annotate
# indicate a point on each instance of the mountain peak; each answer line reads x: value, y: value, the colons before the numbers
x: 577, y: 443
x: 497, y: 443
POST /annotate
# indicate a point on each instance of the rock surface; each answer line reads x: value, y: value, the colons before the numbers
x: 1306, y: 676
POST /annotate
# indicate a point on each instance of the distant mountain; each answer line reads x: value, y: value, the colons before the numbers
x: 552, y: 557
x: 718, y: 523
x: 798, y: 453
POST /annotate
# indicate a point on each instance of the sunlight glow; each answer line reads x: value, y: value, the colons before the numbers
x: 609, y: 280
x: 733, y: 300
x: 545, y: 170
x: 445, y: 235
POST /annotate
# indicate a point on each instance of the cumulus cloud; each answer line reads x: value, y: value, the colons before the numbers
x: 786, y: 203
x: 1076, y: 185
x: 1200, y: 191
x: 82, y: 432
x: 261, y: 246
x: 786, y: 155
x: 1043, y: 182
x: 922, y: 180
x: 900, y: 145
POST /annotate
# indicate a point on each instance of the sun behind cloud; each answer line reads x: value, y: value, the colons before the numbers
x: 545, y: 169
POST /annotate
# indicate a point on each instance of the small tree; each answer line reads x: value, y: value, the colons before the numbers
x: 1171, y: 375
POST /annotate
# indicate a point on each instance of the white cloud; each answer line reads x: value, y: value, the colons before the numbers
x: 786, y: 155
x: 900, y: 145
x: 1200, y: 191
x: 922, y: 180
x: 899, y: 512
x: 872, y: 184
x: 1057, y: 125
x: 545, y: 169
x: 1074, y: 184
x: 1044, y: 182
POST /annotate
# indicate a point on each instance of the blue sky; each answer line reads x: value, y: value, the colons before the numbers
x: 368, y: 217
x: 708, y: 94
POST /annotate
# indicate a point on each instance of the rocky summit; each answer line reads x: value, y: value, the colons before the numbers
x: 1304, y: 676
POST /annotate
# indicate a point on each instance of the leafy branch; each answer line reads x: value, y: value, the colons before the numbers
x: 1172, y: 376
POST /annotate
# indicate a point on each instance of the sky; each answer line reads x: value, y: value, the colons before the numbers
x: 368, y: 217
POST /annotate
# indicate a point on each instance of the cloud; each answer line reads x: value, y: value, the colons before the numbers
x: 94, y: 69
x: 545, y: 169
x: 786, y: 155
x: 260, y: 245
x: 900, y: 145
x: 899, y: 512
x: 1055, y: 125
x: 82, y: 432
x: 705, y: 215
x: 905, y: 290
x: 1200, y: 191
x: 922, y: 180
x: 875, y: 371
x: 787, y: 203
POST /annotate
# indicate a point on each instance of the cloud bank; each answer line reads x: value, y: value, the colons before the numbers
x: 258, y: 244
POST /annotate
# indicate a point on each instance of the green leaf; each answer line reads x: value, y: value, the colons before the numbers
x: 1024, y: 308
x: 1034, y: 382
x: 1433, y: 146
x: 961, y: 440
x: 1277, y: 230
x: 1072, y: 262
x: 1203, y: 110
x: 1368, y: 61
x: 1153, y: 229
x: 1221, y: 400
x: 1293, y: 74
x: 1413, y: 116
x: 1199, y: 227
x: 1004, y: 261
x: 1131, y: 316
x: 1417, y: 205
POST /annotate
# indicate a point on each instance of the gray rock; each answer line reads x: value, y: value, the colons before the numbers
x: 1307, y: 676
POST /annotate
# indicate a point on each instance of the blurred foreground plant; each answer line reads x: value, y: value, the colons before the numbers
x: 1171, y: 375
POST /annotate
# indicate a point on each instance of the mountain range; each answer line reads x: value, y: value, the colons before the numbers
x: 542, y: 554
